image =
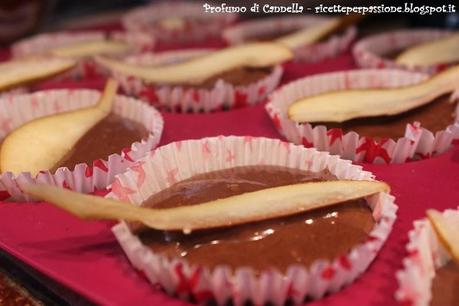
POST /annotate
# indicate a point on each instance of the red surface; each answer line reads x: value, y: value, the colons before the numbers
x: 85, y: 256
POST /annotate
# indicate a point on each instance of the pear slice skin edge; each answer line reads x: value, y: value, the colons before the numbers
x: 343, y: 105
x: 239, y: 209
x: 41, y: 144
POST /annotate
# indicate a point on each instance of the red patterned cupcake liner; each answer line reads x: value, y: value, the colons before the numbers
x: 172, y: 163
x: 86, y: 67
x: 16, y: 110
x: 425, y: 255
x: 182, y: 99
x: 250, y: 30
x: 370, y: 52
x: 205, y: 26
x: 418, y: 142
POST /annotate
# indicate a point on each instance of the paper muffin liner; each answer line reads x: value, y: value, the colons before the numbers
x: 143, y: 19
x: 370, y: 52
x: 249, y: 30
x: 17, y: 110
x: 86, y: 68
x: 417, y: 142
x: 181, y: 160
x: 178, y: 98
x: 425, y: 255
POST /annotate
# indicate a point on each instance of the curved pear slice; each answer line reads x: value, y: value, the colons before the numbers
x: 339, y: 106
x: 91, y: 48
x: 42, y: 143
x: 197, y: 70
x: 313, y: 34
x: 440, y: 51
x: 24, y: 71
x: 239, y: 209
x: 447, y: 233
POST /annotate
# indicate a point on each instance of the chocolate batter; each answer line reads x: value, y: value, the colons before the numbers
x: 237, y: 77
x: 111, y: 135
x: 445, y: 286
x: 435, y: 116
x: 300, y: 239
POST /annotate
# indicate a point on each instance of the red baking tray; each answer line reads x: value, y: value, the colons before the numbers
x: 85, y: 257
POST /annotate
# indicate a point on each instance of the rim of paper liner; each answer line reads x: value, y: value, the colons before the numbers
x: 417, y: 142
x: 17, y: 110
x: 336, y: 44
x: 370, y: 52
x: 178, y: 98
x: 425, y: 255
x: 142, y: 19
x: 139, y: 42
x: 181, y: 160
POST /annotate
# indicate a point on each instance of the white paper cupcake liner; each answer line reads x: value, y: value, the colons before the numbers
x: 17, y: 110
x: 178, y: 98
x: 86, y: 67
x: 425, y: 255
x: 181, y: 160
x: 417, y: 143
x: 370, y: 52
x: 250, y: 30
x: 143, y: 19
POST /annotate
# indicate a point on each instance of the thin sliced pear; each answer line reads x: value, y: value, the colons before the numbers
x: 197, y: 70
x: 91, y: 48
x: 313, y: 34
x: 440, y: 51
x: 339, y: 106
x: 25, y: 71
x: 42, y: 143
x: 447, y: 233
x: 244, y: 208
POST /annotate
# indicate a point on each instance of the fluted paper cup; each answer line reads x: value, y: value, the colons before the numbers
x: 20, y: 109
x: 181, y: 160
x: 417, y: 142
x: 425, y: 255
x: 373, y: 51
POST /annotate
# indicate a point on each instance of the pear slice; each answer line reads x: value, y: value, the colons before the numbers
x: 313, y: 34
x: 440, y: 51
x: 447, y: 233
x: 91, y: 48
x: 25, y: 71
x: 42, y: 143
x: 197, y: 70
x: 342, y: 105
x: 244, y: 208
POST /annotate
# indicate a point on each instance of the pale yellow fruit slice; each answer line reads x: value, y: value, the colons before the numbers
x: 91, y: 48
x: 244, y: 208
x: 25, y: 71
x: 447, y: 233
x: 42, y: 143
x: 440, y: 51
x: 313, y: 34
x: 339, y: 106
x: 197, y: 70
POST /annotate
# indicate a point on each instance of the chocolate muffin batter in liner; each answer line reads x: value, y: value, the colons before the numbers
x: 253, y: 269
x: 379, y: 51
x: 94, y: 162
x: 429, y: 276
x: 86, y: 68
x: 275, y: 27
x: 236, y: 88
x: 417, y: 134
